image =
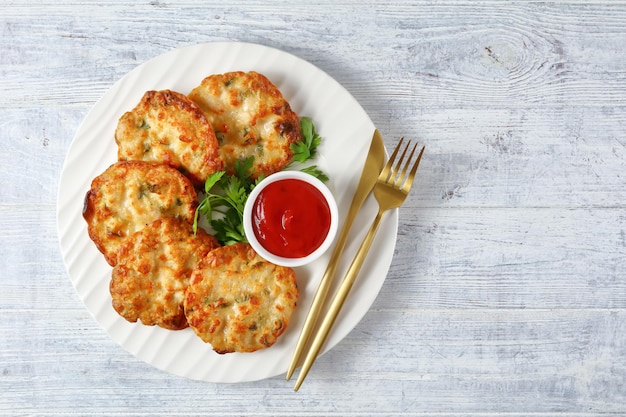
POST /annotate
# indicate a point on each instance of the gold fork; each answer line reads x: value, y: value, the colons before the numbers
x: 390, y: 191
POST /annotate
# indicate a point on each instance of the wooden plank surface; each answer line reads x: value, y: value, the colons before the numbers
x: 506, y: 294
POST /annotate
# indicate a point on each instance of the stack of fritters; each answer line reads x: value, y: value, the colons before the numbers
x: 140, y: 211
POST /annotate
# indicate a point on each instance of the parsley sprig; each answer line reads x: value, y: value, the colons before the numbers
x: 306, y: 149
x: 225, y: 195
x: 228, y: 202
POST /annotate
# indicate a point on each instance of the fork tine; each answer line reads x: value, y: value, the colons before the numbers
x: 384, y: 174
x: 409, y: 181
x: 402, y: 176
x: 394, y: 178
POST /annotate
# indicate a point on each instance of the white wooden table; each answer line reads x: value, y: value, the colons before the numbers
x: 507, y: 291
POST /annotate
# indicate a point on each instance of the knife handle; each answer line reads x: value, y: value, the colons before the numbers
x: 338, y: 300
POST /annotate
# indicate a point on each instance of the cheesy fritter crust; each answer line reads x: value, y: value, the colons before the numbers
x: 153, y: 270
x: 250, y: 118
x: 166, y: 126
x: 239, y: 302
x: 131, y: 194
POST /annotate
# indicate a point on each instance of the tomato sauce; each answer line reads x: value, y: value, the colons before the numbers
x: 291, y: 218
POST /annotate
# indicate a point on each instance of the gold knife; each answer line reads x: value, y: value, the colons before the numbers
x: 373, y: 164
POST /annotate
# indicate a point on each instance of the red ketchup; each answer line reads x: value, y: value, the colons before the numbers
x: 291, y: 218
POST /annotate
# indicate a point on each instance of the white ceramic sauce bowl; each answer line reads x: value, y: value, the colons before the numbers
x: 249, y: 227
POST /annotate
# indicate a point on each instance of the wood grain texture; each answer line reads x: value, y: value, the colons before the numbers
x: 506, y: 294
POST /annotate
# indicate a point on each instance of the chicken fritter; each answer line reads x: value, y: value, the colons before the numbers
x: 153, y: 270
x: 239, y: 302
x: 250, y: 117
x: 131, y: 194
x: 166, y: 126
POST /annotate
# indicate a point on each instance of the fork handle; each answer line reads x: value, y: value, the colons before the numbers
x: 338, y: 300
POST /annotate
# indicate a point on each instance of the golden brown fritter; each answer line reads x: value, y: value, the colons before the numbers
x: 239, y: 302
x: 131, y: 194
x: 153, y: 269
x: 168, y: 127
x: 250, y: 118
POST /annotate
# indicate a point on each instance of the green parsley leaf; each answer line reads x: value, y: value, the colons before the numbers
x: 307, y: 128
x: 212, y: 180
x: 229, y: 229
x: 316, y: 172
x: 301, y: 152
x: 243, y: 168
x: 307, y: 147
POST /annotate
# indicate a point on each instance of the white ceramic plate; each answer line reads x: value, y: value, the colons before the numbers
x: 346, y: 130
